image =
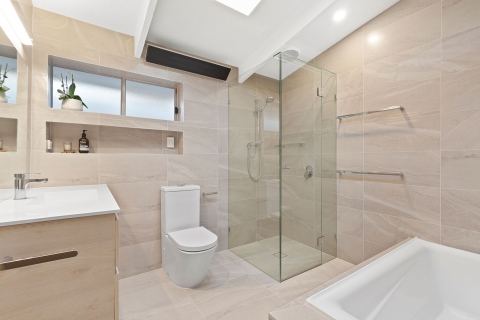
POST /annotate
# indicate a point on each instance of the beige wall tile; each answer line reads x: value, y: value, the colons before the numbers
x: 129, y: 140
x: 350, y: 221
x: 371, y: 249
x: 139, y: 227
x: 460, y: 52
x: 461, y: 239
x: 137, y: 197
x: 299, y: 98
x: 298, y: 187
x: 409, y: 67
x: 192, y: 166
x: 349, y: 138
x: 350, y: 192
x: 242, y: 211
x: 299, y: 231
x: 298, y: 121
x: 298, y: 209
x: 410, y: 202
x: 140, y: 258
x: 460, y: 170
x: 350, y: 248
x: 350, y: 83
x: 121, y: 168
x: 461, y: 91
x: 307, y: 138
x: 460, y: 209
x: 242, y: 233
x: 267, y: 228
x: 350, y: 106
x: 387, y: 230
x: 460, y: 130
x: 417, y: 29
x: 459, y: 15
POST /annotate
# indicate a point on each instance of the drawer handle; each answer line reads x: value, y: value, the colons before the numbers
x: 14, y: 264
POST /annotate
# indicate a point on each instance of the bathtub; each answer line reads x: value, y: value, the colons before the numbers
x: 419, y: 280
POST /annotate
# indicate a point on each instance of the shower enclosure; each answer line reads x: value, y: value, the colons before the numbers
x: 282, y: 161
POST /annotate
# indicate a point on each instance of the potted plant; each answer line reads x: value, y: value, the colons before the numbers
x: 70, y: 101
x: 3, y: 87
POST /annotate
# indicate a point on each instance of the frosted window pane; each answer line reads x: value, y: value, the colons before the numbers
x: 150, y: 101
x: 11, y: 81
x: 100, y: 93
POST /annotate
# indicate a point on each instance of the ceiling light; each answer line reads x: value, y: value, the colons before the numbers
x: 11, y: 23
x: 373, y: 38
x: 339, y: 15
x: 243, y: 6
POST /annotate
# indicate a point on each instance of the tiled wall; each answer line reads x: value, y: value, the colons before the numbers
x: 133, y: 173
x: 425, y: 56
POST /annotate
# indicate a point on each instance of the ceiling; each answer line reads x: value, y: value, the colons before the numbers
x: 209, y: 29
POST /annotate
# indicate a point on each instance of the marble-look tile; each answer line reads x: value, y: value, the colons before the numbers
x: 461, y: 239
x: 140, y: 258
x: 350, y: 248
x: 298, y: 121
x: 388, y: 230
x: 142, y: 281
x: 460, y: 170
x: 460, y: 130
x: 200, y: 114
x: 299, y: 231
x: 241, y: 96
x: 460, y: 52
x: 298, y: 209
x: 191, y: 166
x: 460, y: 209
x: 461, y: 91
x: 307, y: 138
x: 371, y: 249
x: 137, y: 197
x: 115, y: 42
x: 139, y: 227
x: 418, y: 168
x: 350, y: 83
x: 298, y: 187
x: 267, y: 228
x: 299, y: 99
x: 417, y: 29
x: 408, y: 67
x: 350, y: 138
x: 241, y: 119
x: 115, y: 168
x: 350, y: 221
x: 350, y: 192
x: 350, y: 106
x: 410, y: 202
x: 420, y: 133
x: 225, y: 295
x: 398, y: 11
x: 197, y: 140
x: 459, y: 15
x: 300, y: 78
x: 242, y: 233
x: 241, y: 189
x: 129, y: 140
x: 196, y: 88
x: 297, y: 312
x: 134, y: 65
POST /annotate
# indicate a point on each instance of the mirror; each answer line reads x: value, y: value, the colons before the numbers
x: 13, y: 113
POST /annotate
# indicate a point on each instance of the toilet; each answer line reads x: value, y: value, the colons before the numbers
x: 187, y: 248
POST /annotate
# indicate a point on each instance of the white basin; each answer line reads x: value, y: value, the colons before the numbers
x: 43, y: 204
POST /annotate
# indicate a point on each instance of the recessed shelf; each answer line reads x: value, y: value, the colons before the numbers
x: 112, y: 139
x: 8, y: 133
x: 293, y: 144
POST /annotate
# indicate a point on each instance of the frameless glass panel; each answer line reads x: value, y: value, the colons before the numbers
x: 101, y: 94
x: 11, y: 81
x: 149, y: 101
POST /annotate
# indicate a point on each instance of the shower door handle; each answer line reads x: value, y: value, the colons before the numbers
x: 286, y: 167
x: 308, y: 172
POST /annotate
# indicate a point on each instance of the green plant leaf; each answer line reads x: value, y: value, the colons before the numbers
x: 71, y: 90
x: 80, y: 99
x: 84, y: 105
x: 60, y: 91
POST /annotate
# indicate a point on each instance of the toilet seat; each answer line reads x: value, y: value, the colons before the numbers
x: 194, y: 239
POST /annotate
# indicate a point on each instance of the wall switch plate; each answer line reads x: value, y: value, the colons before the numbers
x: 170, y: 142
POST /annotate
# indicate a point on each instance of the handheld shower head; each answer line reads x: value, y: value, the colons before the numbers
x: 267, y: 101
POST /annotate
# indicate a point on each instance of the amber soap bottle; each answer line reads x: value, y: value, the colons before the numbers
x: 83, y: 143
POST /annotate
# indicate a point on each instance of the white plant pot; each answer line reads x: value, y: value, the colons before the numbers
x: 3, y: 97
x: 72, y: 104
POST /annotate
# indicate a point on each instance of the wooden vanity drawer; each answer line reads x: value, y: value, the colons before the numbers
x: 79, y: 287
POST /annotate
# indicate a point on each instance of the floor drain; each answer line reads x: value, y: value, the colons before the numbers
x: 278, y: 254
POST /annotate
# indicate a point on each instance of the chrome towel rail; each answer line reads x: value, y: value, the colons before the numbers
x: 370, y: 112
x: 394, y: 173
x: 210, y: 193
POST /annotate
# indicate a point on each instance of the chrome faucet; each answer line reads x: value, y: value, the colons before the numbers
x: 21, y: 183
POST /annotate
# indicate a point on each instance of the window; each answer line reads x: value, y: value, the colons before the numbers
x: 149, y: 101
x: 100, y: 93
x: 11, y: 81
x: 111, y: 91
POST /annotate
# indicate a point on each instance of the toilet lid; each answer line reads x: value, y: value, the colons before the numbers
x: 194, y: 239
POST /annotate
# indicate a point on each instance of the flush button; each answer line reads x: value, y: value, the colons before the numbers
x: 170, y: 142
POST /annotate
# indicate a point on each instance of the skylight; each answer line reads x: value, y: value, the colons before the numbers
x: 243, y: 6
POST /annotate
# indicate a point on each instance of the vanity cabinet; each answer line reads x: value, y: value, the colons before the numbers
x: 79, y: 279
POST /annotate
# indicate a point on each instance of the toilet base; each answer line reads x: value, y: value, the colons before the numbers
x: 185, y: 269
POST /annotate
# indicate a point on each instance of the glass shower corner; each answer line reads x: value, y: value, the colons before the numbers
x: 281, y: 166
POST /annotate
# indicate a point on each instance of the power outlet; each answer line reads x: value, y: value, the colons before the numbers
x: 170, y: 142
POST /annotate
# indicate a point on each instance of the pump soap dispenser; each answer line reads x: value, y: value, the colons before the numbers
x: 83, y: 143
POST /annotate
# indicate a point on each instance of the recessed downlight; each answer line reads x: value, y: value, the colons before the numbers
x: 339, y: 15
x: 373, y: 38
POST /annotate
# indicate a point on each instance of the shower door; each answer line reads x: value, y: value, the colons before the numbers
x: 281, y: 157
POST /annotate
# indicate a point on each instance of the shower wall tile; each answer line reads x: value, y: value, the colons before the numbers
x: 459, y: 16
x: 460, y: 52
x: 460, y: 130
x: 459, y: 170
x: 350, y: 83
x: 299, y: 98
x: 114, y: 168
x: 460, y: 209
x: 409, y: 67
x: 299, y: 231
x: 298, y: 121
x: 461, y: 91
x: 372, y: 249
x: 298, y: 209
x: 192, y: 167
x: 350, y: 106
x: 350, y: 248
x: 461, y: 239
x: 417, y: 29
x: 267, y: 228
x: 242, y: 233
x: 350, y: 221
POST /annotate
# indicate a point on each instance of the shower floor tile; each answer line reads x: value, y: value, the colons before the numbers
x: 264, y: 255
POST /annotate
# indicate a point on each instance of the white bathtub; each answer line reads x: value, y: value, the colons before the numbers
x: 419, y: 280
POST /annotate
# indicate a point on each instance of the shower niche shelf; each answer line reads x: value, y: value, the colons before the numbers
x: 8, y: 133
x: 292, y: 144
x: 113, y: 139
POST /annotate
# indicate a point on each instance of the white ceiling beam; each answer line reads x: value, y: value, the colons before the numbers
x: 144, y: 21
x: 307, y: 12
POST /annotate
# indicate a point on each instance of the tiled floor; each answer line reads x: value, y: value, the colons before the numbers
x: 296, y: 257
x: 234, y: 289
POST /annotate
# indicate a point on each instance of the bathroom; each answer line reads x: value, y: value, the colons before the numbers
x: 323, y: 155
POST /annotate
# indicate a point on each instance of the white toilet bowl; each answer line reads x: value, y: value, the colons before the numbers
x: 187, y: 255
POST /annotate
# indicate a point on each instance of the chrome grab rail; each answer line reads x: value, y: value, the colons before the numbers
x: 394, y: 173
x: 370, y: 112
x: 14, y: 264
x: 210, y: 193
